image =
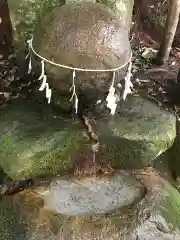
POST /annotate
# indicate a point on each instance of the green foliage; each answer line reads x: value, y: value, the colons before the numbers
x: 108, y: 3
x: 142, y: 63
x: 159, y: 20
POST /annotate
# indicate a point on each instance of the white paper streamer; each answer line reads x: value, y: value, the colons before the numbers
x: 48, y: 93
x: 29, y: 48
x: 42, y: 71
x: 76, y: 104
x: 30, y: 65
x: 29, y: 55
x: 43, y: 85
x: 128, y: 83
x: 74, y: 95
x: 111, y: 98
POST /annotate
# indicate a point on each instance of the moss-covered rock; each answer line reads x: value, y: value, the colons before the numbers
x: 20, y: 215
x: 174, y: 156
x: 25, y: 14
x: 36, y: 142
x: 33, y: 142
x: 156, y: 216
x: 138, y: 133
x: 162, y: 207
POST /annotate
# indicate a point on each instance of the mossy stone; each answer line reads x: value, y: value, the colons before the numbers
x: 34, y: 142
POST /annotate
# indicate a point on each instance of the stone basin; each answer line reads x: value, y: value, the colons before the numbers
x: 92, y: 195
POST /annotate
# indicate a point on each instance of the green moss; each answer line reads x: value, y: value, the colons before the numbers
x: 137, y: 134
x: 25, y: 14
x: 171, y: 206
x: 58, y: 160
x: 54, y: 155
x: 37, y: 144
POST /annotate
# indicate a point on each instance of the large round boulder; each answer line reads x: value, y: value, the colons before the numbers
x: 85, y: 35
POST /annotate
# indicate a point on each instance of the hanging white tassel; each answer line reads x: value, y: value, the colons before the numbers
x: 73, y: 87
x: 76, y: 104
x: 29, y: 55
x: 128, y: 83
x: 29, y: 48
x: 43, y: 85
x: 74, y: 95
x: 111, y: 98
x: 48, y: 93
x: 42, y: 70
x: 30, y: 65
x: 30, y: 42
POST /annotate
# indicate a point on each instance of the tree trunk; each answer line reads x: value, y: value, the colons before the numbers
x: 178, y: 76
x: 124, y: 11
x: 5, y: 28
x: 169, y: 31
